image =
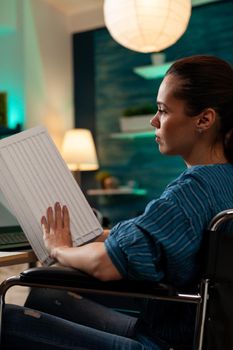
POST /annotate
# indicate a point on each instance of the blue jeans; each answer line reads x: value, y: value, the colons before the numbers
x: 71, y: 323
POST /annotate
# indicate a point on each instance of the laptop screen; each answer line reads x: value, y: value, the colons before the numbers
x: 6, y: 217
x: 12, y: 237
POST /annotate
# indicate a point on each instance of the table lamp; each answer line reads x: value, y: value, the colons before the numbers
x: 78, y: 151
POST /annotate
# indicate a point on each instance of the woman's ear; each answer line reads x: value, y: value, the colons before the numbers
x: 206, y: 119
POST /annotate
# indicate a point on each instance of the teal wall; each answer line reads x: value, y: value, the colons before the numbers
x: 11, y: 64
x: 210, y: 31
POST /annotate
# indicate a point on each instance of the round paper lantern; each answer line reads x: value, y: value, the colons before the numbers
x: 147, y: 25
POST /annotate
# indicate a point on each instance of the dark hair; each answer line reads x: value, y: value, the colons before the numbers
x: 207, y: 82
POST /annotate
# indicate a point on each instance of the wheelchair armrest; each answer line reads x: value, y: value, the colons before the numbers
x: 68, y: 278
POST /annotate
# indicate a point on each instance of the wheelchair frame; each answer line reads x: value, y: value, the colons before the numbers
x: 73, y: 280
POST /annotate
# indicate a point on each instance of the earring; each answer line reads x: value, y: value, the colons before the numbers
x: 200, y: 130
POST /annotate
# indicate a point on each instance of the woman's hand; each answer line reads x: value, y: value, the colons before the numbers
x: 56, y: 228
x: 91, y: 258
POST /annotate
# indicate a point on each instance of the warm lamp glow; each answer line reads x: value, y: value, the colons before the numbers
x: 78, y: 150
x: 147, y: 25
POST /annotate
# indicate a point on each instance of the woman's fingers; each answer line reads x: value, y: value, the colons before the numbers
x: 66, y: 218
x: 56, y: 227
x: 56, y: 219
x: 50, y: 219
x: 58, y: 216
x: 44, y: 225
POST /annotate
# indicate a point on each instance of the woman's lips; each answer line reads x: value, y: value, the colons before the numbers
x: 157, y: 139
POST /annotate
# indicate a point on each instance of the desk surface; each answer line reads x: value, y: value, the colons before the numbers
x: 15, y: 258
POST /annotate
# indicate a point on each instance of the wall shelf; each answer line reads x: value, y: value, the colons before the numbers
x: 152, y: 71
x: 117, y: 191
x: 133, y: 135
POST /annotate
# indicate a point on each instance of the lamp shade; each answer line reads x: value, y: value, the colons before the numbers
x: 78, y: 150
x: 147, y: 25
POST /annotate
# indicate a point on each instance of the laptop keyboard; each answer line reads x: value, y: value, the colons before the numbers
x: 13, y: 237
x: 13, y: 240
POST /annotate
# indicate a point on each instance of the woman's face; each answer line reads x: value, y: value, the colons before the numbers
x: 176, y: 132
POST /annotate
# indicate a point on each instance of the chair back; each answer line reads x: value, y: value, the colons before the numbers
x: 218, y: 327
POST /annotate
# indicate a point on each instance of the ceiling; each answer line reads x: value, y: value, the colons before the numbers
x: 70, y: 7
x: 86, y: 15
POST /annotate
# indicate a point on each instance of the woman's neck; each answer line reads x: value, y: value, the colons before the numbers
x: 208, y: 155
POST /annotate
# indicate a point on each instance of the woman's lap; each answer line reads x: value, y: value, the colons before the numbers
x: 75, y: 308
x: 67, y: 321
x: 29, y: 329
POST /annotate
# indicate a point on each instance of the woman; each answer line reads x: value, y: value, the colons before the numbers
x: 195, y: 121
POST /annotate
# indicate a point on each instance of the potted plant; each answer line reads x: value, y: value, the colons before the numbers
x: 136, y: 119
x: 106, y: 180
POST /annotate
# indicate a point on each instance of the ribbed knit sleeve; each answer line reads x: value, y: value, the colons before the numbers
x: 156, y: 241
x: 163, y: 242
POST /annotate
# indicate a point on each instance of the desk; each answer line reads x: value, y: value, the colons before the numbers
x: 15, y: 258
x: 16, y: 295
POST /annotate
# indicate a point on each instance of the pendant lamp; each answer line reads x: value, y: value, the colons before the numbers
x: 147, y: 25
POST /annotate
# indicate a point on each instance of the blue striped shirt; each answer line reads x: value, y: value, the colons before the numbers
x: 163, y: 242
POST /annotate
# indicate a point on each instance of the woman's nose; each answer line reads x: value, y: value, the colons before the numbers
x: 155, y: 121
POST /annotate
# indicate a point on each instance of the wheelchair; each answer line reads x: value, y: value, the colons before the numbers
x: 213, y: 299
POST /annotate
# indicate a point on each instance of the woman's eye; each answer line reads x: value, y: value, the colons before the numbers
x: 161, y: 111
